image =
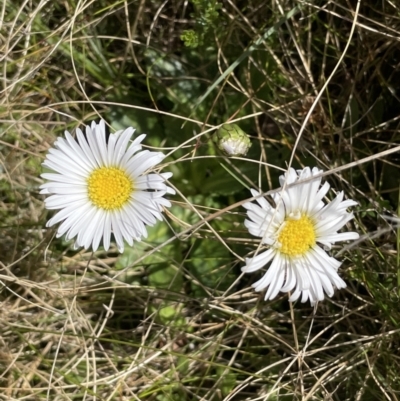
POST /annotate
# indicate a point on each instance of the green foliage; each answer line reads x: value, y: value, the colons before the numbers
x: 206, y: 17
x: 227, y: 381
x: 210, y: 267
x: 206, y: 12
x: 190, y: 38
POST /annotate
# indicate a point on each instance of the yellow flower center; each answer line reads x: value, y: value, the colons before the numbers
x: 297, y: 236
x: 109, y: 188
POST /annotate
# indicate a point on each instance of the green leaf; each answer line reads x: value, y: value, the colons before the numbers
x: 228, y: 381
x: 165, y: 276
x: 210, y: 266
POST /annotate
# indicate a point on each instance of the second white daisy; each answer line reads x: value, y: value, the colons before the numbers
x: 101, y: 188
x: 292, y: 231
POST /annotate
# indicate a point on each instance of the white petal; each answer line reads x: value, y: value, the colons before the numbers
x: 81, y: 225
x: 117, y: 232
x: 258, y: 261
x: 69, y: 154
x: 60, y: 162
x: 302, y: 277
x: 112, y: 141
x: 276, y: 284
x: 346, y: 236
x: 107, y: 231
x: 133, y: 218
x: 61, y: 178
x: 146, y: 212
x: 77, y: 149
x: 331, y: 226
x: 100, y: 133
x: 73, y: 162
x: 315, y: 283
x: 142, y: 162
x: 98, y: 234
x: 255, y: 212
x: 271, y: 274
x: 307, y: 294
x: 126, y: 232
x: 93, y: 144
x: 86, y: 148
x: 145, y: 182
x: 65, y: 189
x: 315, y: 203
x: 86, y: 233
x: 289, y: 177
x: 59, y: 201
x: 133, y: 148
x: 261, y: 200
x: 72, y: 220
x: 290, y: 282
x: 70, y: 210
x: 327, y: 284
x: 295, y: 295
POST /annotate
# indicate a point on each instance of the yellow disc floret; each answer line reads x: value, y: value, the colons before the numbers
x: 297, y: 236
x: 109, y: 188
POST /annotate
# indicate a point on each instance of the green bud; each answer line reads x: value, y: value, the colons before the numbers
x: 232, y: 140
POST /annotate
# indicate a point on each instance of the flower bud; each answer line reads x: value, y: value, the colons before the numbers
x: 232, y: 140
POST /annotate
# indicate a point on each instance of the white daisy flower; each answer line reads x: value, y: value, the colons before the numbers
x: 101, y: 188
x: 292, y: 230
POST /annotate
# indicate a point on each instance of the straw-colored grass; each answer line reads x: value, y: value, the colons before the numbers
x: 173, y: 318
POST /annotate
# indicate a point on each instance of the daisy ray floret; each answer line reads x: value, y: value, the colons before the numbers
x: 297, y: 231
x: 102, y: 187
